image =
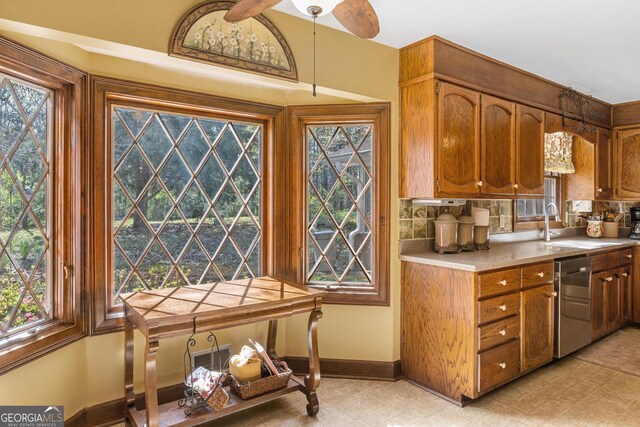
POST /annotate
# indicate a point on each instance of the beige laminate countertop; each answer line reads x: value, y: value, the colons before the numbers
x: 503, y: 255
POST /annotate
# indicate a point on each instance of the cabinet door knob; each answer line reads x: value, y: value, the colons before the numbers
x: 515, y: 186
x: 629, y: 256
x: 480, y: 183
x: 503, y: 282
x: 503, y: 365
x: 609, y: 279
x: 599, y: 190
x: 503, y: 332
x: 625, y: 274
x: 541, y: 274
x: 503, y: 307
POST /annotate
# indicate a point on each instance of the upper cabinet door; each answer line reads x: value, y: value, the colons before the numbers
x: 529, y: 150
x: 627, y: 160
x: 603, y: 167
x: 458, y: 142
x: 498, y: 134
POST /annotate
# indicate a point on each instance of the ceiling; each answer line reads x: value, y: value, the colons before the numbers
x: 590, y: 45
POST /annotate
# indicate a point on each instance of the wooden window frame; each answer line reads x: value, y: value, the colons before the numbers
x: 539, y: 222
x: 69, y: 202
x: 106, y: 92
x: 291, y: 205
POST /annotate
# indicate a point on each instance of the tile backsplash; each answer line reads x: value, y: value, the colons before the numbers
x: 416, y: 221
x: 574, y: 209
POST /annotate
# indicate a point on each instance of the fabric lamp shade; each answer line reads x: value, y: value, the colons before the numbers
x: 327, y: 6
x: 558, y: 152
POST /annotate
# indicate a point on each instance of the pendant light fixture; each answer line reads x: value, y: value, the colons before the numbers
x: 314, y: 9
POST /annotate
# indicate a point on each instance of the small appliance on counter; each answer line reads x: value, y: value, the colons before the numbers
x: 635, y: 224
x: 446, y: 227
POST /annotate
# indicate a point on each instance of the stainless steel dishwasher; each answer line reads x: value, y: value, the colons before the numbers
x: 573, y: 310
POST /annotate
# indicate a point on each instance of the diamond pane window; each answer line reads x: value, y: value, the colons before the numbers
x: 185, y: 192
x: 339, y: 204
x: 25, y: 186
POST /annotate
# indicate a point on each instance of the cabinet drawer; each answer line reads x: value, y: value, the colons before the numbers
x: 614, y: 259
x: 537, y: 274
x: 498, y: 365
x: 498, y: 332
x: 598, y: 263
x: 498, y: 308
x: 498, y: 282
x: 627, y: 256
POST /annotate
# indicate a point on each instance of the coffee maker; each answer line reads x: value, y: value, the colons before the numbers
x: 635, y: 224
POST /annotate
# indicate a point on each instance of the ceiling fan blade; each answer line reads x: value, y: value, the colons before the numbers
x: 248, y: 8
x: 358, y: 17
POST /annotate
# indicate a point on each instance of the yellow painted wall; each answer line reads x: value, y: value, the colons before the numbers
x: 128, y: 39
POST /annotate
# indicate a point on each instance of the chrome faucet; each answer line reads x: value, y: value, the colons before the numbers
x: 547, y: 233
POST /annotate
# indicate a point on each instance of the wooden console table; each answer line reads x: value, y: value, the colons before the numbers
x: 171, y: 312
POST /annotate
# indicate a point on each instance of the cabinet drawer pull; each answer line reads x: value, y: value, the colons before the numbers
x: 552, y: 295
x: 503, y: 282
x: 609, y: 279
x: 629, y: 256
x: 503, y: 365
x: 503, y: 307
x: 503, y: 332
x: 541, y: 274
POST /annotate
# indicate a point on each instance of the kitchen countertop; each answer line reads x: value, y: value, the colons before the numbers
x: 503, y: 255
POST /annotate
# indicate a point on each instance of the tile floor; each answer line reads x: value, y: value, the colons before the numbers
x: 570, y: 392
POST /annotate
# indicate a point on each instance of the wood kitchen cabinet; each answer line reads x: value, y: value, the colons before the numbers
x: 598, y: 304
x: 465, y: 333
x: 611, y: 291
x: 537, y: 326
x: 627, y: 159
x: 498, y: 134
x: 530, y: 125
x: 604, y: 165
x: 626, y: 287
x: 458, y: 140
x: 613, y: 300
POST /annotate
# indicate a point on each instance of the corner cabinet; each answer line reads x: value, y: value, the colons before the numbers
x: 627, y: 156
x: 457, y: 142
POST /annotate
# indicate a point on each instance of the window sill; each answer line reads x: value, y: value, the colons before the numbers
x: 349, y: 296
x: 50, y: 337
x: 537, y: 225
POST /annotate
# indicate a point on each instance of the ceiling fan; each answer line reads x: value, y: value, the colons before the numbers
x: 357, y: 16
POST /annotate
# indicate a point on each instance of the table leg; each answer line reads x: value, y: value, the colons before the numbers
x: 312, y: 380
x: 150, y: 383
x: 128, y: 362
x: 271, y: 339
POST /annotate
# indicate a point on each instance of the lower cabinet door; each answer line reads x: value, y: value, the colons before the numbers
x: 598, y: 321
x: 537, y: 326
x: 627, y: 296
x: 498, y: 365
x: 613, y: 297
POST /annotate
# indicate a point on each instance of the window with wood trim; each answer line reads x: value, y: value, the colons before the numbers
x: 187, y: 200
x: 343, y: 200
x: 41, y: 182
x: 529, y: 213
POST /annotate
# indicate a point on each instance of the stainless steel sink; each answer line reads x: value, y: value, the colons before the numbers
x: 580, y: 244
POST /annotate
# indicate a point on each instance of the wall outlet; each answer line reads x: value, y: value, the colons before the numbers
x: 504, y: 222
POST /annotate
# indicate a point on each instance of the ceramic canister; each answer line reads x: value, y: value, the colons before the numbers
x: 446, y: 228
x: 465, y: 231
x: 594, y: 228
x: 610, y: 229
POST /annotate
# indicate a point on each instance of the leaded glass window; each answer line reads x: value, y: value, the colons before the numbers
x: 186, y: 199
x: 25, y: 197
x: 339, y: 204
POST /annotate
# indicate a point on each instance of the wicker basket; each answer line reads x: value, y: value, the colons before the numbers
x: 264, y: 385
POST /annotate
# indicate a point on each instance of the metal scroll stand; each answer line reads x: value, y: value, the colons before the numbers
x: 193, y: 401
